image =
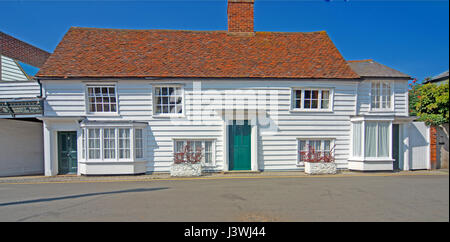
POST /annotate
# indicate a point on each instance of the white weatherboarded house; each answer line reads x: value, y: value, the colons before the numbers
x: 124, y: 101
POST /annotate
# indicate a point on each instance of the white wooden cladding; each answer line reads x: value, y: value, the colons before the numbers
x: 10, y: 71
x: 419, y: 144
x: 277, y: 151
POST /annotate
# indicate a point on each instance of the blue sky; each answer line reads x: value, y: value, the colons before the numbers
x: 410, y: 36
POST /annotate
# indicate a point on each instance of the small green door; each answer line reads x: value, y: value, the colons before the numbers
x: 67, y: 152
x: 240, y: 145
x: 395, y: 147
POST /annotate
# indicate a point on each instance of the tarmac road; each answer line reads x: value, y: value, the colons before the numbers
x: 364, y: 198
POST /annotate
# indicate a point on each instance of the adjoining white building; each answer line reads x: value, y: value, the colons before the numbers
x: 123, y: 101
x: 21, y: 139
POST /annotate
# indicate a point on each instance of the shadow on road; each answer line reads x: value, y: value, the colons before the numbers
x: 82, y: 195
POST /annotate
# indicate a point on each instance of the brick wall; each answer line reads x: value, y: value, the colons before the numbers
x: 433, y: 147
x: 240, y: 16
x: 21, y: 51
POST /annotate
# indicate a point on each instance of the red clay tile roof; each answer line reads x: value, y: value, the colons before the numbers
x: 92, y: 52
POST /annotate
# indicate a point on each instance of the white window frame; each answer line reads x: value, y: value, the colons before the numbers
x: 391, y: 95
x: 142, y: 143
x: 319, y: 99
x: 87, y: 101
x: 85, y: 144
x: 154, y: 102
x: 203, y: 140
x: 363, y: 122
x: 102, y: 131
x: 130, y: 140
x: 307, y: 139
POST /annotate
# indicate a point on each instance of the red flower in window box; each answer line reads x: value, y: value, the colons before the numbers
x: 188, y: 156
x: 314, y: 156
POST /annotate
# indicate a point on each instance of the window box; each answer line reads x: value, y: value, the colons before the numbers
x: 317, y: 155
x: 317, y: 168
x: 191, y: 155
x: 186, y: 169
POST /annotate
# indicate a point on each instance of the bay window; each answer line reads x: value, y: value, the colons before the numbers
x: 371, y: 139
x: 112, y: 143
x: 306, y: 99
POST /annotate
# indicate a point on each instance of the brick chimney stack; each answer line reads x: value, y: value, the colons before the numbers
x: 240, y: 17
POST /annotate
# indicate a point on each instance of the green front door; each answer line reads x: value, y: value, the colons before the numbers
x: 67, y: 152
x: 395, y: 147
x: 239, y: 145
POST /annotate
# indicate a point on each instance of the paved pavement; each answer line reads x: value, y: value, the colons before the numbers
x: 407, y: 196
x: 207, y: 176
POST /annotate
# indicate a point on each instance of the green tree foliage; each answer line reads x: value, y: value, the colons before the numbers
x: 432, y: 103
x: 413, y: 97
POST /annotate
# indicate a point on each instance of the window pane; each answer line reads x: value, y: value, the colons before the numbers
x: 83, y: 144
x: 94, y: 143
x: 315, y: 144
x: 307, y: 94
x: 138, y: 143
x: 208, y: 152
x: 109, y: 144
x: 383, y: 139
x: 307, y: 104
x: 325, y: 99
x: 124, y: 143
x: 178, y: 91
x: 326, y: 95
x: 298, y: 98
x: 326, y: 145
x: 357, y: 136
x: 179, y: 145
x: 172, y: 109
x: 303, y: 146
x: 371, y: 139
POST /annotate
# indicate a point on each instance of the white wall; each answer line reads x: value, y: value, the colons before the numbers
x: 21, y: 148
x: 399, y: 97
x: 10, y: 71
x: 277, y: 151
x: 19, y: 89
